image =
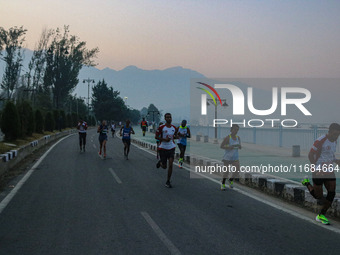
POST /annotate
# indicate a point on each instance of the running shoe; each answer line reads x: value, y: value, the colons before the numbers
x: 158, y: 165
x: 223, y: 187
x: 321, y: 218
x: 168, y: 184
x: 305, y: 181
x: 99, y: 153
x: 104, y: 155
x: 231, y: 184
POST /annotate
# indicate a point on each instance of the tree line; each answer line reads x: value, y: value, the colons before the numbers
x: 43, y: 90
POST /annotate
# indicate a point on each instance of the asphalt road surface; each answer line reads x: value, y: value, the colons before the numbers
x: 77, y: 203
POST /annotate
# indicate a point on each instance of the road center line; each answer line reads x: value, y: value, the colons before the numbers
x: 166, y: 241
x: 115, y: 176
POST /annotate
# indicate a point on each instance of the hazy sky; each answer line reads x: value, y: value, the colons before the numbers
x: 217, y: 38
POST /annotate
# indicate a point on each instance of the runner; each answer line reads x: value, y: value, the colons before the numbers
x: 322, y: 158
x: 166, y: 135
x: 158, y: 142
x: 144, y: 125
x: 82, y: 127
x: 125, y: 132
x: 102, y: 130
x: 113, y: 129
x: 231, y: 144
x: 183, y: 133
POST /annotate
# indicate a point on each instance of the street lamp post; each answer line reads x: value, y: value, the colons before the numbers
x: 211, y: 101
x: 88, y: 80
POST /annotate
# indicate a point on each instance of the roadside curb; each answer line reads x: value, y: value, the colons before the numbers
x: 9, y: 159
x: 278, y: 187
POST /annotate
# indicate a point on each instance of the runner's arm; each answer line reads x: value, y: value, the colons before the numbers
x: 188, y: 134
x: 225, y: 144
x: 312, y: 156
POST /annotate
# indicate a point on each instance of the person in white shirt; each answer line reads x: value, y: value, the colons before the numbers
x: 322, y: 159
x: 166, y: 134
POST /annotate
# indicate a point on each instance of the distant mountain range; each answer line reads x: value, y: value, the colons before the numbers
x: 168, y: 89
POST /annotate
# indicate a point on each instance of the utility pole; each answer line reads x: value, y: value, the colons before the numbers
x: 88, y: 80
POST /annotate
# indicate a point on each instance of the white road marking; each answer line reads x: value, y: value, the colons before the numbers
x: 166, y: 241
x: 276, y: 206
x: 94, y: 146
x: 9, y: 197
x: 115, y: 176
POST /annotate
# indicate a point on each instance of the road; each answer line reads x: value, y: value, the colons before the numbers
x: 77, y: 203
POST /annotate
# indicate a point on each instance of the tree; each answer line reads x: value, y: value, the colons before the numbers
x: 56, y: 118
x: 134, y: 116
x: 49, y: 122
x: 12, y: 40
x: 106, y: 102
x: 144, y: 112
x: 68, y: 120
x: 26, y: 119
x: 65, y: 57
x: 39, y: 122
x: 153, y: 114
x: 62, y: 119
x: 10, y: 121
x: 36, y: 67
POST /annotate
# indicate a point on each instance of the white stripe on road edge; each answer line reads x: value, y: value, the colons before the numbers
x: 94, y: 146
x: 17, y: 187
x: 278, y: 207
x: 166, y: 241
x: 115, y: 176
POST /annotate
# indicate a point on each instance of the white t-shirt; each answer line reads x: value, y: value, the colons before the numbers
x: 324, y: 150
x: 167, y: 132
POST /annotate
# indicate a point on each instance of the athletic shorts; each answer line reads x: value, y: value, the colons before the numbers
x: 181, y: 146
x: 144, y: 128
x: 127, y: 141
x: 102, y: 138
x: 166, y: 154
x: 319, y: 181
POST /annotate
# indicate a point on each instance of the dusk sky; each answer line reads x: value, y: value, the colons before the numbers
x: 216, y: 38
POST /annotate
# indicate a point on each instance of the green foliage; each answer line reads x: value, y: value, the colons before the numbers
x: 65, y: 57
x: 26, y: 119
x: 39, y: 122
x: 74, y: 120
x: 49, y: 122
x: 62, y: 119
x: 56, y: 118
x: 92, y: 121
x: 134, y: 116
x: 68, y: 120
x: 10, y: 125
x: 12, y: 40
x: 153, y: 114
x: 106, y: 103
x: 144, y: 112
